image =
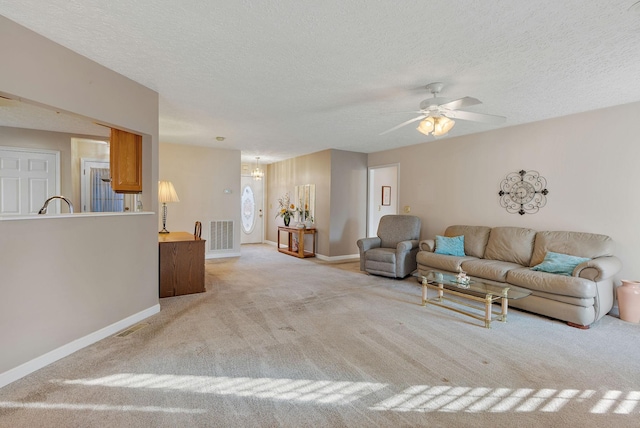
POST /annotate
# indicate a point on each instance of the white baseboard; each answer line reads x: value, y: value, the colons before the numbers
x: 220, y: 255
x: 71, y: 347
x: 348, y: 257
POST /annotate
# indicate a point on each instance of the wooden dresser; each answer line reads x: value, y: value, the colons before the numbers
x: 181, y: 264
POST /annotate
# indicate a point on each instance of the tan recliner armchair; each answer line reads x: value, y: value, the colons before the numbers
x: 393, y: 252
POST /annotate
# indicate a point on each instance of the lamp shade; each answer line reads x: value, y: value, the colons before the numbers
x: 166, y: 192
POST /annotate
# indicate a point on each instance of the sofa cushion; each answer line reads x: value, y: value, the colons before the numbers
x: 433, y: 261
x: 387, y: 255
x: 561, y: 264
x: 494, y: 270
x: 552, y: 283
x: 475, y: 238
x: 381, y: 261
x: 580, y: 244
x: 453, y: 246
x: 577, y: 301
x: 510, y: 244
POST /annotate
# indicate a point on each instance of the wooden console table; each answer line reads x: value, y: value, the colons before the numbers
x: 291, y: 231
x: 181, y: 264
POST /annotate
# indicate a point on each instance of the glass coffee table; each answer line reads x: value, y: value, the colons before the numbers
x: 483, y: 295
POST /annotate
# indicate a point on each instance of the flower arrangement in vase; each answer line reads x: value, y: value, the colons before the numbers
x: 285, y: 209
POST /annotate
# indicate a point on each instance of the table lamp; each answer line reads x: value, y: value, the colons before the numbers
x: 166, y: 193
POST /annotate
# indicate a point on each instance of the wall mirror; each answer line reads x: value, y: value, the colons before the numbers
x: 306, y: 197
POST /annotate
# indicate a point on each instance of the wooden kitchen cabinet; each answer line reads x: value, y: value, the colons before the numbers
x: 126, y: 161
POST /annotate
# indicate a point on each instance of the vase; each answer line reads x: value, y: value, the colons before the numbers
x: 287, y: 220
x: 629, y: 301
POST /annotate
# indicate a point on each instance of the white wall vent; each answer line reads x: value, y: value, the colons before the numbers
x: 221, y: 236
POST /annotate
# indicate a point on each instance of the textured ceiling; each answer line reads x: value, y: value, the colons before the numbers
x: 284, y: 78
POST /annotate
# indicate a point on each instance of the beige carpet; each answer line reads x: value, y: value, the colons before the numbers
x: 279, y: 341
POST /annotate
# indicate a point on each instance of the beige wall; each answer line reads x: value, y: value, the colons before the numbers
x: 200, y: 176
x: 589, y: 160
x: 65, y: 279
x: 283, y: 177
x: 348, y: 201
x: 341, y: 192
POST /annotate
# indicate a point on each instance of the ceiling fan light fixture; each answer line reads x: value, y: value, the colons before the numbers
x: 435, y: 112
x: 439, y: 126
x: 442, y: 126
x: 426, y: 126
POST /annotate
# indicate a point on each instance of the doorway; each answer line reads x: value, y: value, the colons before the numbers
x: 383, y: 195
x: 252, y: 210
x: 96, y: 194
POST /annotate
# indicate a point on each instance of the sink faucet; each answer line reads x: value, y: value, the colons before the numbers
x: 43, y: 210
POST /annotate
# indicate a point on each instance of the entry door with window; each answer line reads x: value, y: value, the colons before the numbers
x: 251, y: 210
x: 27, y: 178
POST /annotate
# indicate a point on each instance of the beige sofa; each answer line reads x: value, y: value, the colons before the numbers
x: 506, y: 254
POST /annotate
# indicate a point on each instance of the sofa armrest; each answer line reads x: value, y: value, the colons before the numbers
x: 365, y: 244
x: 598, y: 269
x: 405, y: 246
x: 428, y: 245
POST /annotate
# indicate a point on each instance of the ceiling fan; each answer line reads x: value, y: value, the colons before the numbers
x: 437, y: 114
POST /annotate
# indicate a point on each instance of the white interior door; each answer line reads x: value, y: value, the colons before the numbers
x: 383, y: 181
x: 27, y: 178
x: 252, y: 210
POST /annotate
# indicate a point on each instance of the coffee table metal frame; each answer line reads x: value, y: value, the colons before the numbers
x: 476, y: 291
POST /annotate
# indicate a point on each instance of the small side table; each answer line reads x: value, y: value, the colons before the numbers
x: 291, y: 231
x: 181, y: 264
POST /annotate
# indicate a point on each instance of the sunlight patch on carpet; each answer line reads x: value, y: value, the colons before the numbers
x: 424, y: 398
x: 94, y: 407
x: 416, y: 398
x: 318, y: 391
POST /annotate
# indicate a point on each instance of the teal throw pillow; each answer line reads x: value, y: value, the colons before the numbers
x: 450, y: 246
x: 561, y: 264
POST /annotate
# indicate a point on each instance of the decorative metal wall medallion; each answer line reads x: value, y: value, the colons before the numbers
x: 523, y: 192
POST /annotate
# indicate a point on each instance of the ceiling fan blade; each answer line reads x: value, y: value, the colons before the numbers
x: 461, y: 103
x: 475, y: 117
x: 415, y: 119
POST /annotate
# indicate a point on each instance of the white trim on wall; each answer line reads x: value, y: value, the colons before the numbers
x: 71, y: 347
